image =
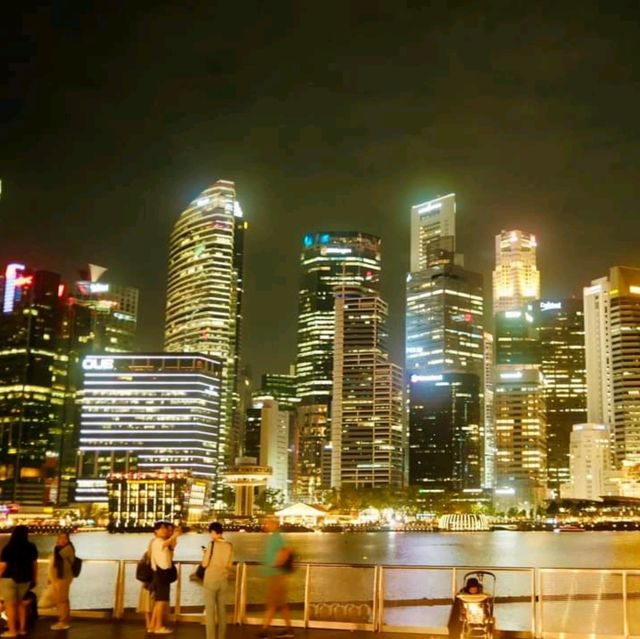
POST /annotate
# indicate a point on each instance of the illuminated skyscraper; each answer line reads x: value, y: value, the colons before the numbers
x: 489, y: 427
x: 32, y: 386
x: 516, y: 279
x: 331, y: 262
x: 204, y: 292
x: 560, y: 326
x: 519, y: 398
x: 612, y: 338
x: 367, y: 433
x: 444, y: 355
x: 433, y: 232
x: 148, y: 412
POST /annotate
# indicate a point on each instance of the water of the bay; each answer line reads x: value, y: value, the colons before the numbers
x: 500, y: 548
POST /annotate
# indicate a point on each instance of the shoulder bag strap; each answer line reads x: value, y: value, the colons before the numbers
x: 210, y: 554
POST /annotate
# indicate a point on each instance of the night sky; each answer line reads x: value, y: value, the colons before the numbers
x: 327, y: 115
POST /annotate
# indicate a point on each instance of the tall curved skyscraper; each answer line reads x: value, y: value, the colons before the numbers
x: 204, y: 290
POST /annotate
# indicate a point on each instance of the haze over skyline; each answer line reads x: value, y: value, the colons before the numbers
x: 340, y: 116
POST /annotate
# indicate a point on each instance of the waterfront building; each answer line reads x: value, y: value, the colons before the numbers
x: 590, y: 460
x: 32, y: 386
x: 330, y: 262
x: 204, y: 293
x: 519, y: 399
x: 521, y: 433
x: 516, y: 279
x: 274, y: 445
x: 444, y: 355
x: 433, y: 232
x: 148, y: 412
x: 612, y: 340
x: 560, y: 326
x: 445, y: 443
x: 489, y: 427
x: 367, y: 433
x: 137, y: 500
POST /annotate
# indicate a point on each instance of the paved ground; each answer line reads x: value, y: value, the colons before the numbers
x: 84, y: 629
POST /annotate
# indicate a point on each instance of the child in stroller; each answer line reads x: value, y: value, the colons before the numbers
x: 472, y: 610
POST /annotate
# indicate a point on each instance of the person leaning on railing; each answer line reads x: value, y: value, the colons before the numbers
x: 164, y: 572
x: 217, y: 561
x: 60, y: 577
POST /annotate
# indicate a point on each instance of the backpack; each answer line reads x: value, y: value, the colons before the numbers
x: 287, y: 564
x: 144, y: 571
x: 76, y: 566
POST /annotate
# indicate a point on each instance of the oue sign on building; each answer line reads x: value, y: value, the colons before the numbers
x: 97, y: 364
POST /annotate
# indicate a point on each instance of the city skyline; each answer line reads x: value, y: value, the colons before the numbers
x: 387, y: 76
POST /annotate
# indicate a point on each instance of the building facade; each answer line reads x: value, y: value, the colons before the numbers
x: 204, y: 293
x: 32, y: 386
x: 148, y: 412
x: 445, y: 443
x: 590, y: 460
x: 367, y: 433
x: 330, y: 262
x: 516, y: 279
x: 444, y: 356
x: 560, y: 326
x: 274, y: 445
x: 612, y: 339
x: 433, y: 232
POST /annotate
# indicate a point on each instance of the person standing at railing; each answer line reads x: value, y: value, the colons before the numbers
x: 19, y: 573
x: 276, y: 565
x: 60, y: 577
x: 217, y: 561
x: 164, y: 573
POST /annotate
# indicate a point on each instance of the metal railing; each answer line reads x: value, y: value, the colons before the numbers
x: 533, y: 602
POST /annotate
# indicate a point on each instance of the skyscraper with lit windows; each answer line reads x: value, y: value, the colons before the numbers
x: 612, y: 339
x: 444, y: 355
x: 330, y: 262
x: 516, y: 279
x: 148, y: 412
x: 204, y: 292
x: 519, y: 397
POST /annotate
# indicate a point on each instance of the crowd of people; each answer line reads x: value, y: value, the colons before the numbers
x: 19, y: 578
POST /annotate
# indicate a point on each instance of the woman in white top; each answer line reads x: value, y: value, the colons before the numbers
x: 161, y: 555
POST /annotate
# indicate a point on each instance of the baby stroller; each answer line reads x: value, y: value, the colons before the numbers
x: 476, y: 605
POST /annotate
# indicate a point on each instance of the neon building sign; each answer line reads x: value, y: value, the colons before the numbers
x: 12, y: 276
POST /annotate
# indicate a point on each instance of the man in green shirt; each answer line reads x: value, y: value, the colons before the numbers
x: 275, y: 559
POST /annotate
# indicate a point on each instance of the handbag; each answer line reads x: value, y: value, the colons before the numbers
x: 144, y: 571
x: 76, y: 566
x: 198, y: 573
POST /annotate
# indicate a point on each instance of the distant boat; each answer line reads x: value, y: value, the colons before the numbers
x: 569, y: 528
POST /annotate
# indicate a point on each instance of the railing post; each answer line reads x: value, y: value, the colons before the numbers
x: 307, y: 587
x: 379, y: 600
x: 118, y: 599
x: 625, y: 612
x: 236, y: 595
x: 539, y: 630
x: 454, y: 583
x: 243, y: 593
x: 178, y: 607
x: 534, y: 605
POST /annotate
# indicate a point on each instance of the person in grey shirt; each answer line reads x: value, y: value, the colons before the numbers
x: 217, y: 561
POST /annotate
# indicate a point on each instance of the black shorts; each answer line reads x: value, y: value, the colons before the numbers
x: 161, y: 584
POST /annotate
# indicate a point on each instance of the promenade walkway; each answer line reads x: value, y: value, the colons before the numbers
x: 87, y: 629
